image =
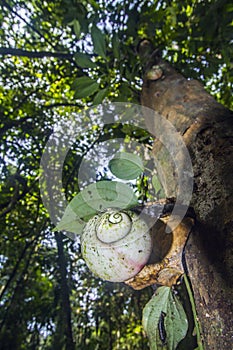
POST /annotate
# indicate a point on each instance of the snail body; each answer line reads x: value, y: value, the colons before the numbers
x: 116, y: 244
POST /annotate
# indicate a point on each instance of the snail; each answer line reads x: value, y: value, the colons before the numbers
x: 154, y: 73
x: 116, y: 244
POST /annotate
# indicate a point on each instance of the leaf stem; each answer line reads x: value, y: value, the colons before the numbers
x: 192, y: 301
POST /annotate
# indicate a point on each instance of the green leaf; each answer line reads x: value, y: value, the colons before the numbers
x: 99, y: 43
x: 84, y: 61
x: 176, y: 322
x: 84, y: 87
x: 94, y: 4
x: 100, y: 96
x: 70, y: 221
x: 164, y: 313
x: 82, y: 82
x: 87, y: 91
x: 77, y: 28
x: 115, y: 46
x: 126, y: 166
x: 171, y: 13
x: 95, y: 198
x: 157, y: 186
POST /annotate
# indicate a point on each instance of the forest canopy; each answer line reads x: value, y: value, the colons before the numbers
x: 57, y: 59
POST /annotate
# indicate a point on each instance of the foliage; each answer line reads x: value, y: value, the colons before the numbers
x: 126, y: 166
x: 164, y: 320
x: 57, y: 58
x: 95, y: 198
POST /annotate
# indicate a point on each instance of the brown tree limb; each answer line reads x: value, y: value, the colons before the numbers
x: 207, y: 129
x: 165, y: 272
x: 34, y: 54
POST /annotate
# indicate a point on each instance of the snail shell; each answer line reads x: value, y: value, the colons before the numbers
x: 154, y: 73
x: 116, y: 245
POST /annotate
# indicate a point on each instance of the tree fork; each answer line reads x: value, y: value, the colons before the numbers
x: 207, y: 130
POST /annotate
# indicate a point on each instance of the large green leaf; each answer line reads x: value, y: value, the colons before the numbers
x: 95, y: 198
x: 115, y: 46
x: 84, y: 87
x: 164, y: 320
x: 126, y: 166
x: 77, y: 28
x: 84, y: 61
x: 99, y: 43
x: 100, y: 96
x: 70, y: 222
x: 82, y: 82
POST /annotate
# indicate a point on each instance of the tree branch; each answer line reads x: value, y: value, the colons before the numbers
x: 27, y: 23
x: 206, y: 128
x: 34, y: 54
x: 5, y: 208
x: 62, y: 104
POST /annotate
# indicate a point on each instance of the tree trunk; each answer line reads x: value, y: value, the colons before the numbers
x: 65, y: 326
x: 207, y: 130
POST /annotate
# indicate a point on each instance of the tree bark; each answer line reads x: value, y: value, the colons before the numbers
x: 207, y: 130
x: 65, y: 314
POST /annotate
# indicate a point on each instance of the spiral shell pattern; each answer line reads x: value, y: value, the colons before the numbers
x: 116, y: 245
x: 113, y: 226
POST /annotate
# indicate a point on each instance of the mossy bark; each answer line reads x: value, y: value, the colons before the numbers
x: 207, y: 130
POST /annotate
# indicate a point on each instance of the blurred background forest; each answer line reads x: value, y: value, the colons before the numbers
x: 58, y: 57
